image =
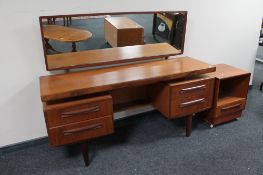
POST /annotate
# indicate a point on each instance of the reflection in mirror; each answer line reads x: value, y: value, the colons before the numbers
x: 64, y: 35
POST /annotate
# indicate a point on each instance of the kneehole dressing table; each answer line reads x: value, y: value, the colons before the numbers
x: 79, y: 106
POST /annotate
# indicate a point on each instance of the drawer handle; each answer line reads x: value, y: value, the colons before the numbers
x: 87, y: 128
x: 231, y: 107
x: 80, y: 111
x: 202, y: 100
x: 182, y: 91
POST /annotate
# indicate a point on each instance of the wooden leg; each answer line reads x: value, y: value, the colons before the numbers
x: 49, y: 47
x: 70, y: 20
x: 85, y: 153
x: 64, y: 21
x: 67, y: 21
x: 189, y: 120
x: 54, y: 20
x: 74, y: 47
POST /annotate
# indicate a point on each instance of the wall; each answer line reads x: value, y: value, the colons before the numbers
x: 217, y: 32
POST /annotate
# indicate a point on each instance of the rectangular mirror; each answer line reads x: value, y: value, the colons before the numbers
x: 74, y: 41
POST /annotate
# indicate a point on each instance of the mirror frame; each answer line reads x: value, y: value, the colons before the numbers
x: 101, y: 14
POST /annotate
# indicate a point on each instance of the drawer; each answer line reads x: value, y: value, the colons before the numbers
x: 76, y: 111
x: 184, y: 97
x: 187, y: 106
x: 192, y: 96
x: 230, y: 107
x: 191, y: 88
x: 81, y: 131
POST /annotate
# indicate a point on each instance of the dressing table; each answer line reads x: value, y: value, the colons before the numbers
x: 79, y: 106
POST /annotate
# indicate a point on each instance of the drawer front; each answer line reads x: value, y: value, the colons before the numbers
x: 191, y: 97
x: 191, y: 89
x: 78, y: 111
x: 187, y: 106
x: 230, y: 108
x: 81, y: 131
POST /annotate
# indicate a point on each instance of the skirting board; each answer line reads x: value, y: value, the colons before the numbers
x: 22, y: 145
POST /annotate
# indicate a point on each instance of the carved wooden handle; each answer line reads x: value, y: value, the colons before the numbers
x: 202, y: 100
x: 86, y: 128
x: 230, y: 107
x: 192, y: 89
x: 80, y: 111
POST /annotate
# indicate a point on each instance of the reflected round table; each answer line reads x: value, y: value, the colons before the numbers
x: 64, y: 34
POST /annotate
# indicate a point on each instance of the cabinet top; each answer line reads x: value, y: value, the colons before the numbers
x: 224, y: 71
x: 123, y: 22
x: 67, y: 85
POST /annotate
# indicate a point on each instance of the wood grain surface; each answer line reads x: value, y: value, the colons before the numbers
x: 65, y: 34
x: 110, y: 56
x: 100, y: 80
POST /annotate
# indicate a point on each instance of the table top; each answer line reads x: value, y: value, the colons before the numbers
x: 67, y: 85
x: 224, y: 71
x: 65, y: 34
x: 110, y: 56
x: 123, y: 22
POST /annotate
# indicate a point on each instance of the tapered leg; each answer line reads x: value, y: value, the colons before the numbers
x: 189, y: 120
x: 74, y: 47
x: 49, y: 47
x: 85, y: 153
x: 64, y: 21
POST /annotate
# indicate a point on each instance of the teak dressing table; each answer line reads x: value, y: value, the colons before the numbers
x: 79, y: 106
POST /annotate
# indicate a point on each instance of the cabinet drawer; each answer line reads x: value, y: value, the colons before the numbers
x: 184, y: 97
x: 77, y: 132
x: 183, y: 107
x: 191, y: 88
x: 230, y: 108
x: 191, y: 96
x: 76, y: 111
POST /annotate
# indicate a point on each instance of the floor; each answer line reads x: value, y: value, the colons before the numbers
x: 149, y: 144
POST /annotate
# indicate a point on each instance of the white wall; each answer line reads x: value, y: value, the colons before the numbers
x: 218, y: 32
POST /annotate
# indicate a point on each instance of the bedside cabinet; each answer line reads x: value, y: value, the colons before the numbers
x: 231, y: 88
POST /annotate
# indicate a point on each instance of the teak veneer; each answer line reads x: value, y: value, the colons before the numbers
x: 110, y: 56
x: 55, y: 87
x: 79, y: 106
x: 230, y: 94
x: 65, y: 34
x: 224, y: 71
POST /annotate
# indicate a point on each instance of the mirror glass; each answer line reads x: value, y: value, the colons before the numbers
x: 71, y: 35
